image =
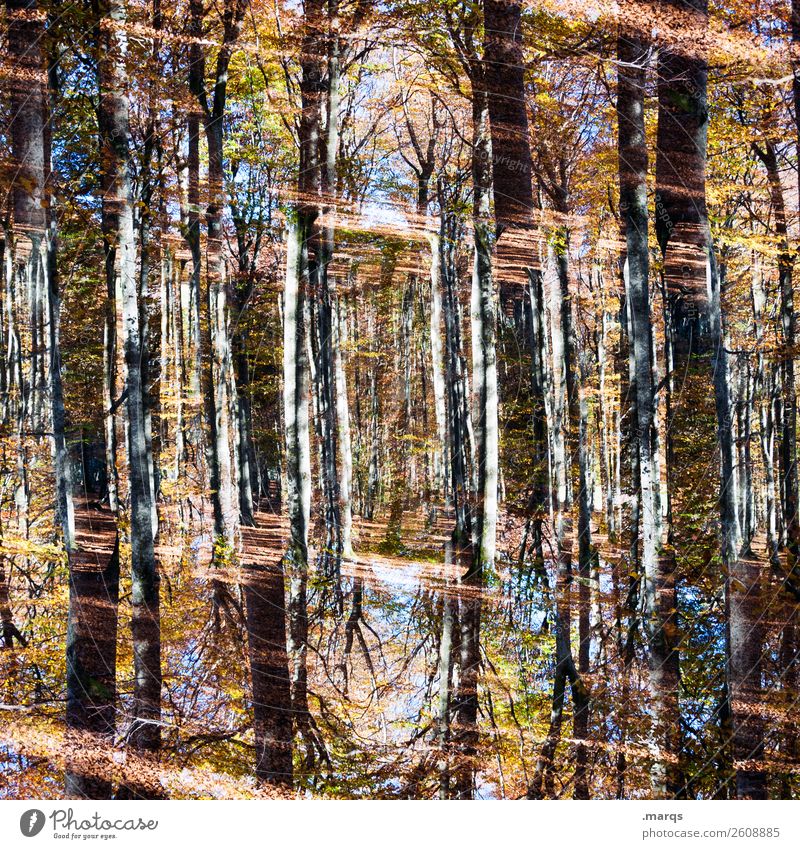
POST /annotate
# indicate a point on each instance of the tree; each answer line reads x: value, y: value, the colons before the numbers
x: 113, y: 120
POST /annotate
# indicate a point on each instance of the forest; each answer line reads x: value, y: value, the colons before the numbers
x: 398, y: 399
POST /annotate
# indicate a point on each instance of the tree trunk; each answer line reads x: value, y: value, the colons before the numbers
x: 587, y: 557
x: 35, y: 222
x: 658, y: 578
x: 219, y: 377
x: 764, y: 386
x: 91, y: 669
x: 269, y: 673
x: 343, y: 427
x: 788, y: 443
x: 316, y: 179
x: 537, y: 345
x: 145, y: 733
x: 298, y: 467
x: 484, y: 357
x: 455, y: 381
x: 443, y: 709
x: 694, y: 282
x: 510, y: 147
x: 441, y: 466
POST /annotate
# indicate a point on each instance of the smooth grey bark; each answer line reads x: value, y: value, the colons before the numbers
x: 764, y: 388
x: 166, y: 369
x: 29, y: 204
x: 373, y: 474
x: 298, y: 470
x: 537, y: 344
x: 657, y: 576
x: 441, y: 466
x: 575, y: 440
x: 112, y: 389
x: 326, y: 394
x: 245, y: 467
x: 145, y: 731
x: 145, y: 199
x: 563, y: 500
x: 343, y: 426
x: 484, y: 355
x: 603, y: 417
x: 214, y: 336
x: 34, y: 221
x: 179, y: 366
x: 339, y: 446
x: 517, y: 265
x: 587, y: 560
x: 316, y: 180
x: 191, y: 228
x: 455, y: 381
x: 295, y: 387
x: 181, y: 377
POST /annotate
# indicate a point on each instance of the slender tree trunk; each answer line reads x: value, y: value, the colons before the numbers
x: 213, y: 336
x: 658, y: 584
x: 179, y: 365
x: 218, y: 380
x: 484, y: 357
x: 586, y: 560
x: 298, y: 468
x: 343, y: 426
x: 35, y: 222
x: 316, y: 180
x: 443, y: 708
x: 764, y: 389
x: 145, y: 733
x: 603, y: 416
x: 374, y: 477
x: 192, y: 230
x: 537, y: 344
x: 455, y: 381
x: 245, y: 467
x: 441, y: 465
